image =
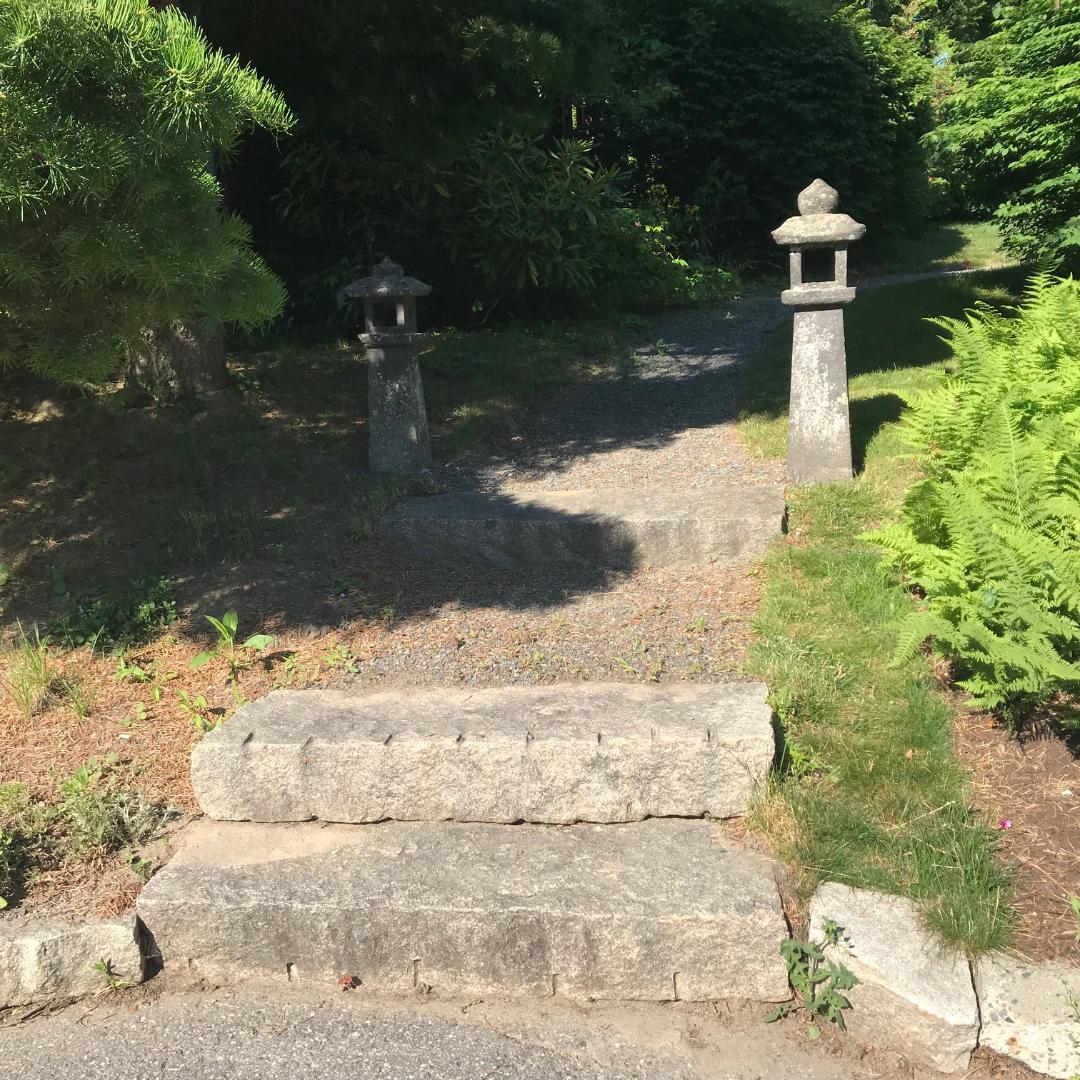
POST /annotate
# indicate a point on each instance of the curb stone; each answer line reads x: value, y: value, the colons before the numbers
x: 47, y: 958
x: 914, y: 995
x: 1031, y: 1012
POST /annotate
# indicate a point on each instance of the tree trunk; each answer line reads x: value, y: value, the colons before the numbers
x: 179, y: 361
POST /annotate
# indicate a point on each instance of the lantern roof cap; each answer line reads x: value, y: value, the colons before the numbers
x: 387, y: 281
x: 816, y: 224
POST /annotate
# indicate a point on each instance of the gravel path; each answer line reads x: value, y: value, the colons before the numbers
x: 666, y: 419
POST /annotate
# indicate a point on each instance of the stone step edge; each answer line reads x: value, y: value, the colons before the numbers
x: 618, y: 527
x: 591, y: 752
x: 648, y: 911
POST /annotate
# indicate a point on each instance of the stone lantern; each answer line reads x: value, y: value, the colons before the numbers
x: 397, y: 416
x: 819, y: 433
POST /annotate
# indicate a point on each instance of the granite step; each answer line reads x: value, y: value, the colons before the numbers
x: 649, y: 911
x: 589, y: 752
x: 617, y: 528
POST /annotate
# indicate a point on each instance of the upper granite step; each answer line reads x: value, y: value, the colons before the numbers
x: 606, y: 527
x: 558, y: 754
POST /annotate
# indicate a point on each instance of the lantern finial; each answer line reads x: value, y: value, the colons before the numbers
x: 818, y: 198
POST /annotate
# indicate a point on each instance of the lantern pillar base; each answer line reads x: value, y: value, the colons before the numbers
x: 819, y: 431
x: 398, y: 440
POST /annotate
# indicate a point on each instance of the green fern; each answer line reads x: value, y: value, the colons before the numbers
x: 991, y: 536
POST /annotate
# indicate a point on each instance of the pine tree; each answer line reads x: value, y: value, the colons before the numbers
x: 113, y: 243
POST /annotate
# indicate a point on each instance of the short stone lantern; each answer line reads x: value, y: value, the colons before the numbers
x: 398, y: 439
x: 819, y: 432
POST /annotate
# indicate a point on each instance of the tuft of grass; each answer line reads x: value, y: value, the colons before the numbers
x: 31, y: 675
x: 79, y: 697
x: 872, y: 793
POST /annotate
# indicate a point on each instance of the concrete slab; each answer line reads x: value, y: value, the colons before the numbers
x: 618, y: 528
x: 914, y: 994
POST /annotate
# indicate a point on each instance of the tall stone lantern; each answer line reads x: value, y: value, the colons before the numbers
x: 819, y: 433
x: 398, y: 439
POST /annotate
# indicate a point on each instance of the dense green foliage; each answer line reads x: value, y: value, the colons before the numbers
x: 110, y: 223
x: 470, y: 117
x: 1010, y: 137
x: 747, y: 101
x: 991, y: 535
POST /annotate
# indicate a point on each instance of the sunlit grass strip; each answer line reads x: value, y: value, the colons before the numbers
x: 872, y: 793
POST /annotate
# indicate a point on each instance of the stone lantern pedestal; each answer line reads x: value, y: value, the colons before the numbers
x: 819, y: 432
x: 398, y: 440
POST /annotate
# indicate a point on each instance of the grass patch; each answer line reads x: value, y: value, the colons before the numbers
x: 96, y: 812
x: 872, y: 793
x: 944, y: 245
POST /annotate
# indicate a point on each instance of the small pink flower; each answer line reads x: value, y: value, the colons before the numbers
x: 1005, y: 823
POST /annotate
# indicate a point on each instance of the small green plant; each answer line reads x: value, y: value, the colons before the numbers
x: 817, y: 981
x: 104, y: 968
x: 339, y: 658
x: 197, y: 711
x: 141, y: 867
x: 128, y: 671
x: 31, y: 675
x: 99, y: 813
x: 1074, y: 907
x: 227, y: 646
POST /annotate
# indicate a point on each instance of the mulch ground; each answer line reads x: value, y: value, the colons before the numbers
x: 1029, y: 785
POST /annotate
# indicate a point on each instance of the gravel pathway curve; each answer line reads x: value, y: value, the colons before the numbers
x: 666, y: 419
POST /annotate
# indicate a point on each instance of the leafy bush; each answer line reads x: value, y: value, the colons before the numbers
x: 524, y: 217
x: 110, y: 223
x: 1010, y: 137
x: 992, y: 534
x: 747, y: 101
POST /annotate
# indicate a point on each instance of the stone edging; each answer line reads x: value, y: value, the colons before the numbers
x: 43, y: 959
x: 914, y: 995
x: 929, y: 1003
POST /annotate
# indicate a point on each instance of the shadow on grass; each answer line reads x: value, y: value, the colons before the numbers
x: 868, y: 417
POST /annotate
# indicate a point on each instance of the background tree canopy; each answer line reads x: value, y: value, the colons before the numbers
x: 525, y: 156
x: 1011, y: 136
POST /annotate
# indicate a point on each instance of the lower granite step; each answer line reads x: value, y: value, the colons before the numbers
x: 651, y: 911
